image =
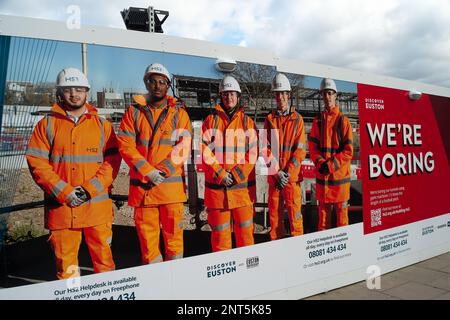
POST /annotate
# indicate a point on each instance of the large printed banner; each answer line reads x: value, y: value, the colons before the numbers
x: 405, y: 156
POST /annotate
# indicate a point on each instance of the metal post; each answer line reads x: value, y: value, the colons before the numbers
x: 84, y: 58
x: 151, y: 19
x: 265, y: 211
x: 193, y: 191
x: 5, y: 42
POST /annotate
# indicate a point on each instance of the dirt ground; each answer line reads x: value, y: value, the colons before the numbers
x: 20, y: 223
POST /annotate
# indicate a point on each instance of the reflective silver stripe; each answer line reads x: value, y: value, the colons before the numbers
x: 175, y: 257
x: 216, y: 174
x: 76, y: 158
x: 319, y: 157
x: 37, y: 152
x: 123, y: 133
x: 58, y: 188
x: 240, y: 173
x: 102, y: 135
x: 301, y: 145
x: 287, y: 148
x: 157, y: 259
x: 96, y: 183
x: 252, y: 145
x: 169, y: 166
x: 139, y: 164
x: 50, y: 136
x: 221, y: 227
x: 136, y: 118
x: 216, y: 121
x: 332, y: 182
x: 295, y: 162
x: 336, y: 164
x: 143, y: 142
x: 345, y: 205
x: 296, y: 126
x: 298, y: 215
x: 166, y: 142
x: 99, y: 198
x: 175, y: 120
x: 173, y: 179
x: 246, y: 224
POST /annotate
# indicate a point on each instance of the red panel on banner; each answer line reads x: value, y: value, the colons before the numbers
x: 405, y: 165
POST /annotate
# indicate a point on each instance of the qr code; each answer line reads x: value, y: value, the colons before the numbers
x: 375, y: 217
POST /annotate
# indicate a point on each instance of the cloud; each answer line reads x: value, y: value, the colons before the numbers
x: 407, y: 39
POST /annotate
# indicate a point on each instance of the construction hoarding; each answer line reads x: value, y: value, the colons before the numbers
x: 401, y: 163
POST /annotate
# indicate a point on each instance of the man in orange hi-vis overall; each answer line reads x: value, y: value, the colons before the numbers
x: 331, y: 150
x: 229, y: 148
x: 285, y: 151
x: 155, y: 141
x: 73, y: 157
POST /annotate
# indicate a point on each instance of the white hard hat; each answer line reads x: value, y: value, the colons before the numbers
x: 280, y: 83
x: 71, y: 77
x: 156, y: 68
x: 328, y: 83
x: 229, y: 83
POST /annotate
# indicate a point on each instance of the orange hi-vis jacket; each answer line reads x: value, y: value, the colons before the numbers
x: 155, y: 138
x: 229, y: 145
x: 289, y: 149
x: 62, y: 155
x: 330, y: 140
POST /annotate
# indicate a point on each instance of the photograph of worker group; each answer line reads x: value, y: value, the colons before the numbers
x: 74, y: 156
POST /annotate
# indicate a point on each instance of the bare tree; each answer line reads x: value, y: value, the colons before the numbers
x: 254, y: 80
x: 297, y: 81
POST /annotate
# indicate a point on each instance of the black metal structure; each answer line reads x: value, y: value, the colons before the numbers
x: 146, y: 20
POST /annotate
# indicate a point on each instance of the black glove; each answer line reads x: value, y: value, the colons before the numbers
x: 324, y: 168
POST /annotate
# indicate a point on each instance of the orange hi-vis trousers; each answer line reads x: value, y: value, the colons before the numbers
x: 291, y: 199
x: 219, y: 220
x: 148, y: 221
x: 66, y: 243
x: 325, y: 210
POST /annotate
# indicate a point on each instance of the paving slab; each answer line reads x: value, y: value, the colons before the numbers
x: 419, y: 274
x: 445, y: 296
x: 391, y: 280
x: 441, y: 283
x: 434, y: 263
x: 415, y: 291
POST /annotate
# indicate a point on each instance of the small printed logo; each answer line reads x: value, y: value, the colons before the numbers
x: 252, y: 262
x: 220, y: 269
x: 427, y: 230
x: 94, y: 150
x: 374, y: 104
x: 71, y: 79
